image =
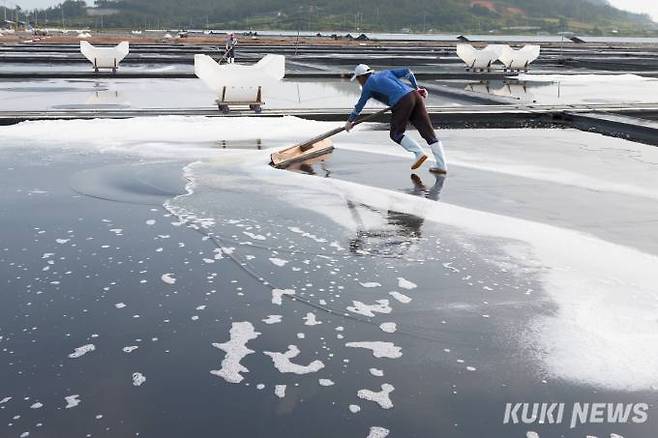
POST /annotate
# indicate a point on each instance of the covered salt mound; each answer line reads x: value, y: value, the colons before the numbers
x: 479, y: 59
x: 105, y: 57
x: 519, y: 59
x: 239, y: 84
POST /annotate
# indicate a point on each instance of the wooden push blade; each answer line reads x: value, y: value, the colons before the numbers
x: 286, y: 157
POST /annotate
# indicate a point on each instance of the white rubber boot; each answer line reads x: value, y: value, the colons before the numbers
x: 410, y: 145
x: 439, y: 155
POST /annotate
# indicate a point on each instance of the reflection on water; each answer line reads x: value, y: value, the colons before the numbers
x: 524, y: 91
x: 571, y: 89
x: 395, y: 232
x: 400, y: 231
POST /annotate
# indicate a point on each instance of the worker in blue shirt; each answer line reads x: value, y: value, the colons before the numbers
x: 408, y: 106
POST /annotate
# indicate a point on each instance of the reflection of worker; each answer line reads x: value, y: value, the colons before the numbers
x: 405, y: 228
x: 408, y: 107
x: 231, y: 42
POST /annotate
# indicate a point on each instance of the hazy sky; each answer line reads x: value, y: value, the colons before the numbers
x: 647, y: 6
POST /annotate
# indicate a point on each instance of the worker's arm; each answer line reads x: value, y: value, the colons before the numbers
x: 405, y: 73
x: 365, y: 95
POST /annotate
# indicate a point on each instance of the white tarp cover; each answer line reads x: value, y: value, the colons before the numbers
x: 241, y: 81
x: 521, y: 58
x: 479, y: 58
x: 105, y: 57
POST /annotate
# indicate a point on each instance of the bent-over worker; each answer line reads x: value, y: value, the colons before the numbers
x: 408, y: 106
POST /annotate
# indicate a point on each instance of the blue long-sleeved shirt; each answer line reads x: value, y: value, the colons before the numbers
x: 387, y: 87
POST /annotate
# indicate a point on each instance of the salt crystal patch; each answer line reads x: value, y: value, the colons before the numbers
x: 24, y: 435
x: 280, y: 391
x: 81, y: 351
x: 531, y: 434
x: 37, y: 405
x: 309, y: 235
x: 119, y: 305
x: 471, y: 368
x: 379, y: 349
x: 311, y: 320
x: 388, y: 327
x: 72, y: 401
x: 150, y: 222
x: 354, y: 408
x: 378, y: 432
x: 326, y: 382
x: 406, y: 284
x: 382, y: 398
x: 272, y: 319
x: 62, y: 241
x: 4, y: 400
x: 168, y: 278
x: 284, y: 365
x: 370, y: 284
x: 278, y: 262
x: 254, y: 236
x: 129, y: 349
x: 369, y: 310
x: 138, y: 379
x: 400, y: 297
x: 236, y: 350
x: 375, y: 372
x: 277, y: 295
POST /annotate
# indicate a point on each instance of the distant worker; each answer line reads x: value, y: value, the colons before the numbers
x: 408, y: 106
x: 229, y: 50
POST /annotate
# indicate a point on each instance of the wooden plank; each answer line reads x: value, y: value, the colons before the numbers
x: 286, y: 157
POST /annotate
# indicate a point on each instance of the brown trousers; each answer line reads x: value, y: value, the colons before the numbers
x: 411, y: 109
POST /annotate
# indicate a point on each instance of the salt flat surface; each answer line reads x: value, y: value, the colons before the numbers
x: 491, y: 285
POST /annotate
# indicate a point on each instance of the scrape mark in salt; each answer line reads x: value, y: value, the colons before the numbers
x: 272, y: 319
x: 310, y: 319
x: 375, y: 372
x: 168, y: 278
x: 369, y: 310
x: 389, y: 327
x: 406, y: 284
x: 277, y: 295
x: 236, y: 350
x: 130, y: 348
x: 138, y: 379
x: 402, y: 298
x: 326, y: 382
x: 280, y: 391
x: 379, y: 349
x: 278, y: 262
x: 354, y: 408
x: 72, y: 401
x: 370, y: 284
x: 81, y: 351
x: 284, y: 365
x: 378, y: 432
x: 382, y: 398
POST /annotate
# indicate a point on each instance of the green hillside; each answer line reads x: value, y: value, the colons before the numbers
x: 521, y: 16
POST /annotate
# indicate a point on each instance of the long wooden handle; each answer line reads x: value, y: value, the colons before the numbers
x: 309, y: 143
